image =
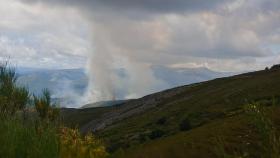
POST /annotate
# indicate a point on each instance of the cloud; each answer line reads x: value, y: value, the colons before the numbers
x: 136, y: 34
x: 42, y: 36
x: 142, y: 6
x: 183, y: 29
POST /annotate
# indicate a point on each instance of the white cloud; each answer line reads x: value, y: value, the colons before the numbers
x: 222, y: 35
x: 41, y: 36
x: 231, y: 30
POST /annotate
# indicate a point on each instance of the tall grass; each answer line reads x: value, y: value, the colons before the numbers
x: 43, y: 140
x: 27, y: 139
x: 36, y: 132
x: 260, y: 118
x: 270, y: 138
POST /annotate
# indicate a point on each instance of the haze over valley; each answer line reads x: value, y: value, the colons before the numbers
x: 69, y: 86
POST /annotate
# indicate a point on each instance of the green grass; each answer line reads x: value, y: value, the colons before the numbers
x: 236, y: 136
x: 198, y: 142
x: 78, y: 117
x: 213, y: 108
x: 37, y: 139
x: 37, y: 132
x: 201, y: 103
x: 27, y: 139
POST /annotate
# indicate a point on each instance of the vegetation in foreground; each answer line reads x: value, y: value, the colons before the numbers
x: 202, y: 125
x: 30, y: 126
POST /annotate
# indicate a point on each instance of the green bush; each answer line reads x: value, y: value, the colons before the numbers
x: 74, y: 145
x: 46, y: 110
x: 37, y: 137
x: 142, y: 137
x: 27, y: 139
x: 161, y: 121
x: 268, y: 134
x: 12, y: 97
x: 185, y: 125
x: 270, y: 139
x: 156, y: 134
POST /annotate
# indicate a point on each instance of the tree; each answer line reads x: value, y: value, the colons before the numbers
x: 12, y: 96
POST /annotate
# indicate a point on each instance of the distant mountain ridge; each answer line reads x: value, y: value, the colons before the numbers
x: 152, y: 124
x: 181, y: 76
x: 104, y: 103
x: 38, y: 79
x: 67, y: 84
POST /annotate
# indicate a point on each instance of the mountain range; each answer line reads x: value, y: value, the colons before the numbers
x: 205, y: 119
x: 67, y: 84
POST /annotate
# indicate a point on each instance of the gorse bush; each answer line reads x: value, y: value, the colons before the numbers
x: 44, y: 107
x: 161, y: 121
x: 37, y: 139
x: 12, y: 96
x: 34, y: 141
x: 157, y: 133
x: 74, y: 145
x: 41, y: 135
x: 27, y: 139
x: 185, y: 125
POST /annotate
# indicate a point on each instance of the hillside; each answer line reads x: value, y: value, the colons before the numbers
x: 68, y: 84
x: 151, y: 124
x: 104, y: 103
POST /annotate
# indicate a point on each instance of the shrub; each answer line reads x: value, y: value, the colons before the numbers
x: 73, y: 145
x: 259, y: 116
x: 142, y: 138
x: 12, y: 96
x: 275, y: 67
x: 45, y: 109
x: 161, y: 121
x: 156, y: 134
x: 35, y: 138
x: 28, y: 140
x: 185, y: 125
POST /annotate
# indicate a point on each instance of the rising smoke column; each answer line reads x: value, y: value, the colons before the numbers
x: 100, y: 71
x: 221, y: 33
x: 115, y: 47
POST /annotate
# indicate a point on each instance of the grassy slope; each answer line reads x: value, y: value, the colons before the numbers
x: 197, y: 143
x: 210, y: 106
x: 201, y: 103
x: 236, y: 133
x: 78, y: 117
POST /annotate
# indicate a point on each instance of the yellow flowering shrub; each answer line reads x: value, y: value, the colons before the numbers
x: 74, y: 145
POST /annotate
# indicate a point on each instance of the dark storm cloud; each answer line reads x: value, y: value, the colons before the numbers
x: 221, y: 29
x: 152, y: 6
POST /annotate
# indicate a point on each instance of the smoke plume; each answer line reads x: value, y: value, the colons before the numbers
x: 133, y: 35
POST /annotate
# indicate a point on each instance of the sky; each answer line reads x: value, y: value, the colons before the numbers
x: 103, y: 35
x: 225, y: 35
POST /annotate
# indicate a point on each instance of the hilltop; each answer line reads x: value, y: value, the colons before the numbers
x: 153, y: 124
x: 68, y: 84
x: 104, y: 103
